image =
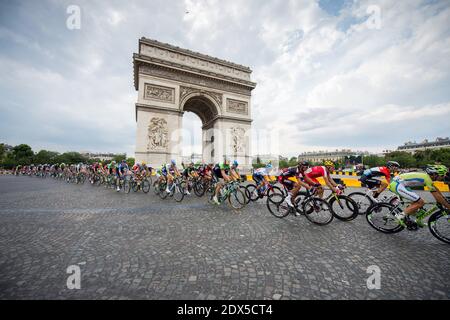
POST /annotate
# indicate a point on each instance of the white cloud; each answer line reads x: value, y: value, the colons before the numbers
x: 321, y: 77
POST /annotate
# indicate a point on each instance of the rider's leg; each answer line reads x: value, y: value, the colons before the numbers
x: 417, y: 201
x: 169, y: 182
x: 383, y: 185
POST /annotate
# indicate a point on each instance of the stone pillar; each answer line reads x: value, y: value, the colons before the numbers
x: 158, y: 137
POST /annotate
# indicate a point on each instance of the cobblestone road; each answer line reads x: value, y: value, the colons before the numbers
x: 137, y: 246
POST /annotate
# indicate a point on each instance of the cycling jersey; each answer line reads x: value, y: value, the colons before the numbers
x: 121, y: 168
x: 187, y: 171
x: 369, y: 176
x: 219, y: 167
x: 316, y: 172
x: 402, y: 183
x: 259, y: 174
x: 262, y: 171
x: 167, y: 168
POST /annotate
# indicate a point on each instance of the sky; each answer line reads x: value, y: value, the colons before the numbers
x: 364, y: 75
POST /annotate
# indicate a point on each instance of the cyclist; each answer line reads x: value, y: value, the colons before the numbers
x: 369, y: 177
x: 261, y: 177
x: 224, y: 173
x: 205, y: 171
x: 297, y: 172
x: 313, y: 173
x: 121, y: 172
x: 189, y: 173
x: 168, y: 171
x: 401, y: 184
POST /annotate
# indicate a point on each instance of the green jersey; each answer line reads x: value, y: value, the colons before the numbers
x: 415, y: 179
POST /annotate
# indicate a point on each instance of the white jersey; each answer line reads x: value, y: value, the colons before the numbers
x: 262, y: 171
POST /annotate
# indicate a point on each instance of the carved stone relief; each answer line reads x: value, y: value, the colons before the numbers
x: 157, y: 134
x: 236, y: 106
x: 160, y: 93
x: 193, y: 79
x: 237, y: 139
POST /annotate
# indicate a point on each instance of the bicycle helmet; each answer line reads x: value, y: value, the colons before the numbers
x: 438, y: 169
x: 173, y: 162
x: 328, y: 163
x: 392, y: 164
x: 303, y: 164
x: 269, y: 166
x: 235, y: 163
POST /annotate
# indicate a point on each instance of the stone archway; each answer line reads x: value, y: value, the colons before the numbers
x: 171, y: 81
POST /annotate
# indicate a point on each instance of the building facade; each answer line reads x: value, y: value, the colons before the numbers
x: 413, y: 147
x: 337, y: 155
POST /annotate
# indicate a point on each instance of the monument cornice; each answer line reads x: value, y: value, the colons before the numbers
x: 187, y: 52
x: 140, y: 60
x: 162, y: 110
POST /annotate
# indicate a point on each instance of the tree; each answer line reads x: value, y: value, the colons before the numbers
x: 441, y: 155
x: 374, y: 161
x: 22, y: 154
x: 130, y: 161
x: 293, y: 162
x: 44, y: 156
x: 2, y: 150
x: 283, y: 164
x: 119, y: 157
x: 71, y: 158
x: 405, y: 159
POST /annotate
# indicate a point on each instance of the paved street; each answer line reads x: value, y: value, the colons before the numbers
x: 137, y: 246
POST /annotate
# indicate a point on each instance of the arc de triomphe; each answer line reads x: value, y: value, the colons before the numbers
x: 170, y: 81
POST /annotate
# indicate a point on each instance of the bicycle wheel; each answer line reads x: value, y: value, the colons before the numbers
x: 237, y: 199
x: 251, y: 189
x: 179, y: 191
x: 162, y: 190
x: 274, y: 190
x: 362, y: 201
x: 298, y: 202
x: 318, y: 211
x: 199, y: 188
x: 277, y: 206
x: 381, y: 216
x: 439, y: 225
x: 246, y: 194
x: 126, y: 186
x: 134, y: 185
x: 343, y: 207
x: 156, y: 187
x: 145, y: 185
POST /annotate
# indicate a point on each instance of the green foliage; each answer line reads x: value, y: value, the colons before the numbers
x: 374, y: 161
x: 405, y: 159
x: 441, y: 156
x: 70, y: 158
x: 45, y: 156
x: 2, y: 150
x: 130, y: 161
x: 293, y: 162
x: 22, y: 154
x: 118, y: 158
x: 8, y: 162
